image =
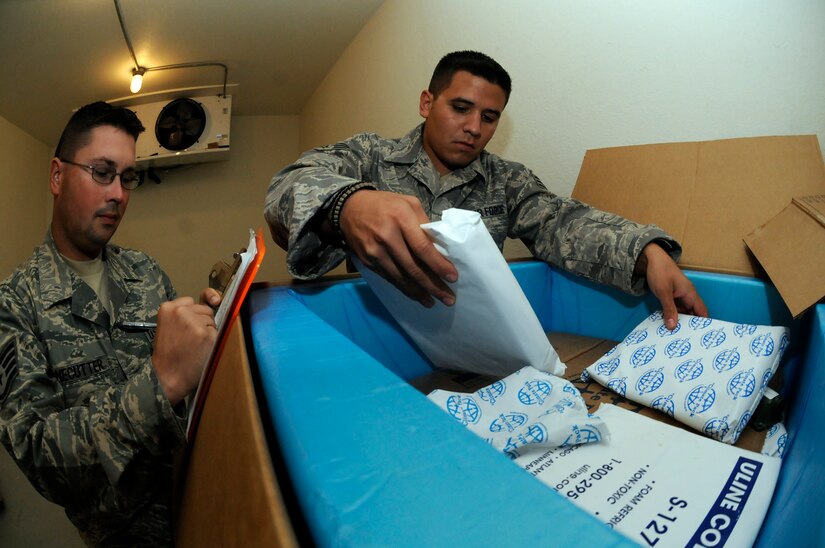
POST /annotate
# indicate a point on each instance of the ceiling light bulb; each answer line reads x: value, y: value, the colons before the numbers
x: 137, y: 80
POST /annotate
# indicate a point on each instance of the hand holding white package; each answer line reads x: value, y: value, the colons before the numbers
x: 491, y: 329
x: 525, y: 410
x: 709, y: 374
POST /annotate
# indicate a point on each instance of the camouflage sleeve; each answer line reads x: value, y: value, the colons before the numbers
x: 171, y: 294
x: 69, y: 452
x: 296, y: 200
x: 600, y: 246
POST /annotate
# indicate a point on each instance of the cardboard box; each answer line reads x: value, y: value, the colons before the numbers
x: 227, y: 490
x: 360, y: 442
x: 791, y: 249
x: 371, y: 461
x: 708, y: 195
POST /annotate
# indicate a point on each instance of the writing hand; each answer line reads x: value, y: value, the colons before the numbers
x: 184, y: 338
x: 211, y: 297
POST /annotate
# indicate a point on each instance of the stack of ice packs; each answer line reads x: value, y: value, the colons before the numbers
x: 708, y: 374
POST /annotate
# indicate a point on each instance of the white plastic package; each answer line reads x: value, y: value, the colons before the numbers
x: 524, y: 411
x: 709, y: 374
x: 492, y: 329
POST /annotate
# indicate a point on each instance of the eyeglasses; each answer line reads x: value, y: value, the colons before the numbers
x: 105, y: 174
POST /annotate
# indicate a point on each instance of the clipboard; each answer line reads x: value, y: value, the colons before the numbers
x: 236, y: 280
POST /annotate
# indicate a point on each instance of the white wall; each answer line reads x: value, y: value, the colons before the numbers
x: 24, y: 187
x: 589, y: 73
x: 25, y: 192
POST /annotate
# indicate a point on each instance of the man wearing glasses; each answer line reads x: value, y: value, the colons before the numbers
x: 96, y: 352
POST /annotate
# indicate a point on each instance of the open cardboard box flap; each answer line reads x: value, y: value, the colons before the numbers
x: 791, y: 248
x: 708, y: 195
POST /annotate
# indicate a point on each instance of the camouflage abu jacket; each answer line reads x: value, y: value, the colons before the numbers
x: 512, y: 201
x: 81, y: 409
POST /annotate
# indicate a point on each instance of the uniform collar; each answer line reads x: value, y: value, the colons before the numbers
x: 59, y: 282
x: 409, y: 150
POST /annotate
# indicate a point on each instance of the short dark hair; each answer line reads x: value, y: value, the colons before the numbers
x: 473, y: 62
x: 76, y: 133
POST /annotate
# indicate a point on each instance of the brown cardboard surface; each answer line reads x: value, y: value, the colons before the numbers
x: 708, y: 195
x: 452, y: 381
x: 791, y: 249
x: 230, y: 494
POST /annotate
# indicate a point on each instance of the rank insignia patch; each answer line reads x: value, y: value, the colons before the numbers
x: 8, y: 369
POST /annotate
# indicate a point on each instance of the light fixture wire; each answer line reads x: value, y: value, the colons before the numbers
x: 139, y: 69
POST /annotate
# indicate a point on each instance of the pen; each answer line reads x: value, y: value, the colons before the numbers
x: 137, y: 326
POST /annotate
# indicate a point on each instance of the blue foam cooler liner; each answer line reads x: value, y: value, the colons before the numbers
x: 374, y: 463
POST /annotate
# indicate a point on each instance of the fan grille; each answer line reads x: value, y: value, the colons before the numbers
x: 180, y: 124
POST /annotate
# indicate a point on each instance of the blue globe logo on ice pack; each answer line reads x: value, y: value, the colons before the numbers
x: 740, y: 426
x: 508, y: 422
x: 511, y: 448
x: 563, y: 405
x: 742, y: 384
x: 717, y: 427
x: 781, y: 443
x: 642, y: 356
x: 713, y: 338
x: 726, y: 360
x: 663, y: 331
x: 570, y: 389
x: 697, y: 323
x: 743, y: 329
x: 493, y: 392
x: 766, y: 378
x: 534, y: 392
x: 536, y: 433
x: 762, y: 345
x: 656, y: 316
x: 607, y: 368
x: 677, y: 348
x: 664, y: 404
x: 700, y: 399
x: 777, y: 431
x: 464, y: 409
x: 582, y: 434
x: 783, y: 344
x: 619, y: 386
x: 636, y: 337
x: 650, y: 381
x: 689, y: 370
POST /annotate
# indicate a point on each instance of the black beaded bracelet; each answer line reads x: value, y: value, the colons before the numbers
x: 338, y: 202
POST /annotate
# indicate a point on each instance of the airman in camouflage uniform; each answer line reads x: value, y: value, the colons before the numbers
x: 82, y: 411
x: 512, y: 202
x: 442, y: 164
x: 92, y: 395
